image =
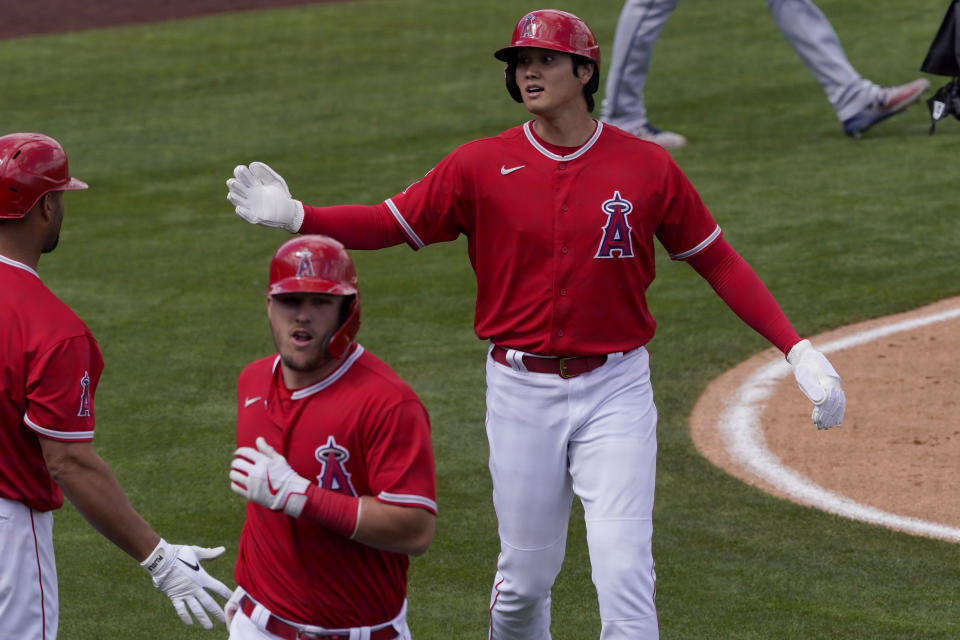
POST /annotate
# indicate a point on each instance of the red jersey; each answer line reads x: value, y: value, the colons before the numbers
x: 360, y: 431
x: 50, y: 365
x: 561, y: 240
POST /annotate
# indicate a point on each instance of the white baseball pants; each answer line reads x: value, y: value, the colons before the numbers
x: 244, y: 627
x: 29, y: 604
x: 550, y: 438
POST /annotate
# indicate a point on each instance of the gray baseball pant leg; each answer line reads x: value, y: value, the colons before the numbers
x: 813, y: 38
x: 638, y: 28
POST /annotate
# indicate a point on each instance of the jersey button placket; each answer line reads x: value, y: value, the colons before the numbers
x: 561, y: 229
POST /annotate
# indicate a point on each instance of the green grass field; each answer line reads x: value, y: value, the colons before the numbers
x: 352, y: 102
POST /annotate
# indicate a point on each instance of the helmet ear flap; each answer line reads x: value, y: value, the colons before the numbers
x: 339, y: 341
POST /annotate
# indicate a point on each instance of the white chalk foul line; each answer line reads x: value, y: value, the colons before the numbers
x: 743, y: 437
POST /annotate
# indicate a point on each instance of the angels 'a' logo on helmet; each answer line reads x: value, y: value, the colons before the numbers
x: 333, y: 475
x: 305, y: 264
x: 527, y: 27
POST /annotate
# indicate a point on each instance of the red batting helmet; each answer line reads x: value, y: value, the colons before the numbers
x: 31, y: 164
x: 319, y: 264
x: 554, y: 30
x: 557, y: 31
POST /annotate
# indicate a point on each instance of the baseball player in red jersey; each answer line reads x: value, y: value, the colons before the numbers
x: 336, y: 462
x: 50, y: 365
x: 560, y: 215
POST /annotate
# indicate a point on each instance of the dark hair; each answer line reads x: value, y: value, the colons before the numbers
x: 593, y: 84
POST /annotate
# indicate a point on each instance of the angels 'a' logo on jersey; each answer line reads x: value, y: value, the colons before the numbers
x: 84, y: 411
x: 305, y: 265
x: 616, y: 241
x: 333, y: 474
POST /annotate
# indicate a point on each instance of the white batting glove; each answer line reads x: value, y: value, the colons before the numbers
x: 177, y: 572
x: 260, y: 196
x: 819, y: 381
x: 264, y: 476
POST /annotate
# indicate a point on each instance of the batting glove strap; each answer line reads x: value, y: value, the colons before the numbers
x: 819, y: 381
x: 261, y: 196
x: 264, y: 476
x: 176, y: 571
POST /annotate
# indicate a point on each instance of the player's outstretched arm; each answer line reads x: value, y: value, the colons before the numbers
x: 260, y: 196
x: 740, y: 287
x: 89, y: 483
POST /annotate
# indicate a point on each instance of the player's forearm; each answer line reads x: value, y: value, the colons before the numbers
x: 91, y: 486
x: 371, y: 522
x: 740, y: 287
x: 356, y: 226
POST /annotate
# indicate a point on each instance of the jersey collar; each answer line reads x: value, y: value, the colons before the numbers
x: 338, y: 373
x: 18, y: 265
x: 532, y: 139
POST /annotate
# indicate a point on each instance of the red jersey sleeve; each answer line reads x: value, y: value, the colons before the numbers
x: 740, y: 287
x: 401, y: 458
x: 60, y: 389
x: 688, y: 226
x: 432, y: 209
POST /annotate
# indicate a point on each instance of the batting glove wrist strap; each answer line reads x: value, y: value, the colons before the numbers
x: 264, y: 476
x: 261, y: 196
x: 819, y: 381
x: 336, y: 511
x: 176, y: 571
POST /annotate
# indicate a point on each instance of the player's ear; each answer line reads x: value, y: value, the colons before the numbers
x: 47, y: 206
x: 585, y: 71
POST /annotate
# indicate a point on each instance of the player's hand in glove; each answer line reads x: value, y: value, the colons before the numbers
x: 819, y: 381
x: 264, y: 476
x: 177, y: 572
x: 260, y: 196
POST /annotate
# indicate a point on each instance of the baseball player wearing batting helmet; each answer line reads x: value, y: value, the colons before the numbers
x: 334, y: 458
x: 51, y: 365
x: 560, y: 216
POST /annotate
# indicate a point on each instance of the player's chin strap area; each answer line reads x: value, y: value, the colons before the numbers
x: 264, y: 619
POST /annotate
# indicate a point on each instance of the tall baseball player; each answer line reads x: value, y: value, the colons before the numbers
x: 560, y: 215
x: 50, y: 365
x: 335, y: 460
x: 858, y: 102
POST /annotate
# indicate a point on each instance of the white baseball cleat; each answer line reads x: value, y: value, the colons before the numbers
x: 666, y: 139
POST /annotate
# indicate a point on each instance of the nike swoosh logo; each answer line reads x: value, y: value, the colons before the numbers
x: 504, y: 171
x: 270, y: 488
x: 195, y: 567
x: 250, y: 401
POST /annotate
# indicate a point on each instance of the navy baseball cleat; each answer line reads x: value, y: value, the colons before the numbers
x: 890, y: 101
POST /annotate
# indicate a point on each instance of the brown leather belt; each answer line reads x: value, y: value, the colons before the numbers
x: 287, y: 631
x: 565, y: 367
